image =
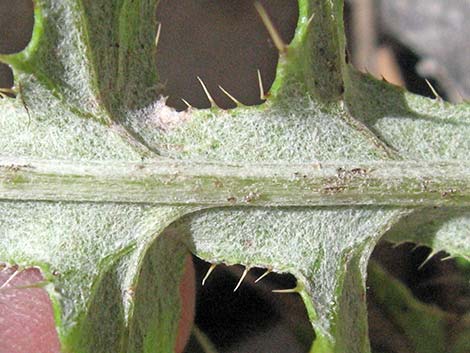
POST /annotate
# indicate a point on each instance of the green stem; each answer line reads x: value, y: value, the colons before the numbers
x: 322, y: 345
x: 391, y: 183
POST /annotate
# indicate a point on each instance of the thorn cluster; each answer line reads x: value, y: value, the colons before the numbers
x: 277, y: 40
x: 243, y: 276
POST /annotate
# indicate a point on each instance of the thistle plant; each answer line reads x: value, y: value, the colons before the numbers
x: 106, y: 190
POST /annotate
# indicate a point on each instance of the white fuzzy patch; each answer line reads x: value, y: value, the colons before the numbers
x: 164, y: 117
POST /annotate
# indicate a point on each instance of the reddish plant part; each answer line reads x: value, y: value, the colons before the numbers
x: 26, y: 316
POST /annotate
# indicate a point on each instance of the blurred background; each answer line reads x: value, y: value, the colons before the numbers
x: 423, y: 45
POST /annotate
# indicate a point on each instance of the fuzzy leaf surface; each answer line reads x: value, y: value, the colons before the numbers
x: 88, y: 91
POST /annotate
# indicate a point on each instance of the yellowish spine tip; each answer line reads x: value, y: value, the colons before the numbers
x: 261, y: 87
x: 278, y: 42
x: 241, y: 279
x: 397, y: 245
x: 157, y: 37
x: 236, y: 101
x: 415, y: 247
x: 310, y: 19
x: 268, y: 271
x: 186, y: 102
x: 8, y: 90
x: 5, y: 91
x: 450, y: 257
x: 209, y: 271
x: 206, y: 91
x: 291, y: 290
x: 430, y: 256
x: 7, y: 282
x: 433, y: 90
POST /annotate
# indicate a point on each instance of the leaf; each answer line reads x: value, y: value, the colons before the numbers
x: 438, y: 229
x: 98, y: 253
x: 422, y: 327
x: 104, y: 184
x: 417, y: 128
x: 326, y: 249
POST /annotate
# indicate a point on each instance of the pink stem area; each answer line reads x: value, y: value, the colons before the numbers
x: 188, y: 302
x: 27, y: 319
x: 26, y: 316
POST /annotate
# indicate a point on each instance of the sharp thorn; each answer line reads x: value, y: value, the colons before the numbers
x: 5, y: 91
x: 209, y: 271
x: 310, y: 19
x: 261, y: 87
x: 8, y: 90
x: 430, y: 256
x: 278, y: 42
x: 291, y: 290
x: 446, y: 258
x: 157, y: 37
x: 10, y: 279
x: 433, y: 90
x: 241, y: 278
x: 415, y: 247
x: 25, y: 106
x: 206, y: 91
x: 268, y: 271
x: 186, y: 102
x: 236, y: 101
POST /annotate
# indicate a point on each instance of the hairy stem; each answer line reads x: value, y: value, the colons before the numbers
x: 404, y: 183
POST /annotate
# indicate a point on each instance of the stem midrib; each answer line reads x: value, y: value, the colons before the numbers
x: 388, y: 183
